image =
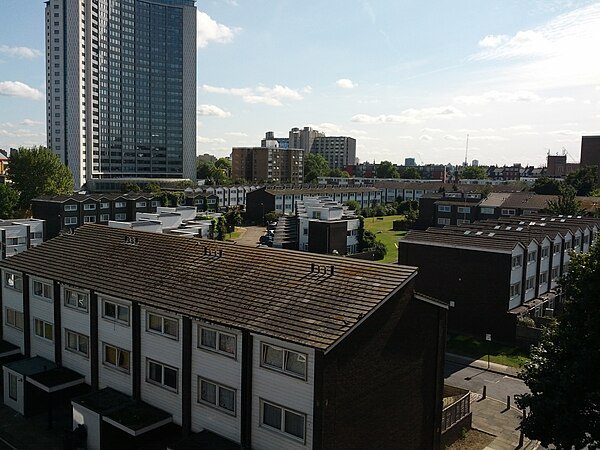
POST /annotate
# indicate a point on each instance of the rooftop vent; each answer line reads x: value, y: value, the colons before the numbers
x: 130, y: 240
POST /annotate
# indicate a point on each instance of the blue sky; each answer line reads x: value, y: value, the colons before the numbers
x: 405, y: 78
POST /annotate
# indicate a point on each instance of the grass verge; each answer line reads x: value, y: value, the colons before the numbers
x: 479, y: 349
x: 382, y: 227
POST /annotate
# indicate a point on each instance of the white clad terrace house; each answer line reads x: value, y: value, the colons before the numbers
x: 258, y: 348
x: 326, y: 226
x: 499, y: 272
x: 17, y: 235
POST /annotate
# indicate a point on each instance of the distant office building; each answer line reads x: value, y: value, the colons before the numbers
x: 410, y: 162
x: 268, y: 164
x: 339, y: 151
x: 121, y: 87
x: 558, y: 166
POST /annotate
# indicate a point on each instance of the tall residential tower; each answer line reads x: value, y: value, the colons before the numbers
x: 121, y: 87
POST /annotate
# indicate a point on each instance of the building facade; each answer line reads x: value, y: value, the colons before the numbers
x: 17, y: 235
x: 121, y: 87
x: 268, y: 164
x: 265, y: 364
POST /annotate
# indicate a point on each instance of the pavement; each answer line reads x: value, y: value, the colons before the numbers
x: 250, y: 235
x: 492, y: 415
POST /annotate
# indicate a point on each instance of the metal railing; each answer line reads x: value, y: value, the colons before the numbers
x: 456, y: 411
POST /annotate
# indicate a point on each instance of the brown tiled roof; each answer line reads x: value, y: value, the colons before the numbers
x: 96, y: 197
x: 528, y: 200
x: 437, y: 237
x: 324, y: 190
x: 274, y: 292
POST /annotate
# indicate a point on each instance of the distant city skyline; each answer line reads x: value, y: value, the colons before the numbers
x: 405, y: 79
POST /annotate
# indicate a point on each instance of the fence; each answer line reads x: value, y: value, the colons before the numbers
x: 456, y: 411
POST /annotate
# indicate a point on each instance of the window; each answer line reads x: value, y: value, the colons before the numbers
x: 44, y: 329
x: 104, y: 205
x: 76, y: 299
x: 444, y: 208
x: 140, y: 204
x: 119, y: 204
x: 556, y: 248
x: 442, y: 221
x: 567, y: 246
x: 89, y: 219
x: 282, y: 419
x: 545, y: 252
x: 70, y: 207
x: 77, y: 343
x: 532, y: 256
x: 304, y: 231
x: 484, y: 210
x: 462, y: 221
x: 14, y: 318
x: 13, y: 281
x: 515, y: 289
x: 115, y: 311
x: 516, y: 261
x: 544, y: 277
x: 577, y: 241
x: 104, y: 217
x: 163, y: 325
x: 282, y: 360
x: 155, y: 203
x: 530, y: 283
x: 217, y: 395
x: 160, y: 374
x: 217, y: 341
x: 42, y: 289
x: 12, y: 385
x: 70, y: 220
x: 89, y: 206
x: 508, y: 212
x: 120, y: 216
x: 464, y: 210
x: 116, y: 358
x: 555, y: 273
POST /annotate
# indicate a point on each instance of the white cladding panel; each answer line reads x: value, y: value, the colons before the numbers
x: 283, y: 390
x: 12, y: 299
x: 516, y: 276
x: 17, y: 404
x: 42, y: 309
x: 78, y: 322
x: 532, y: 270
x: 221, y: 369
x: 163, y: 350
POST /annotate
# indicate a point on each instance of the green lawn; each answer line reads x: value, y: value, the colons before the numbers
x: 382, y: 227
x: 479, y: 349
x: 235, y: 235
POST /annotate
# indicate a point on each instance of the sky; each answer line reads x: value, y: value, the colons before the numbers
x: 408, y: 78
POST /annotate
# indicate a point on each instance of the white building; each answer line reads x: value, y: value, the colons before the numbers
x: 17, y: 235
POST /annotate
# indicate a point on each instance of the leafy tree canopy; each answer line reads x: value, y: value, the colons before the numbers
x: 562, y: 375
x: 473, y: 173
x: 315, y: 166
x: 38, y: 171
x: 411, y: 173
x: 387, y: 170
x: 566, y: 204
x: 584, y: 180
x: 9, y: 199
x: 546, y: 186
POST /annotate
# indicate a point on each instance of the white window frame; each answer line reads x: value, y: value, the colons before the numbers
x: 155, y: 203
x: 120, y: 204
x: 532, y: 257
x: 121, y: 216
x: 71, y: 220
x: 117, y: 306
x: 553, y: 275
x: 217, y: 403
x: 443, y: 221
x: 162, y: 332
x: 444, y: 208
x: 282, y: 428
x: 508, y: 212
x: 286, y: 353
x: 78, y: 338
x: 43, y: 324
x: 118, y: 352
x: 545, y: 251
x: 515, y: 289
x: 486, y: 210
x: 517, y: 261
x: 556, y: 247
x: 529, y: 283
x: 140, y: 204
x: 543, y: 277
x: 89, y: 207
x: 14, y: 318
x: 464, y: 210
x: 70, y: 207
x: 161, y: 382
x: 104, y: 205
x: 46, y: 290
x: 16, y: 283
x: 89, y: 219
x: 76, y: 299
x: 218, y: 335
x: 104, y: 217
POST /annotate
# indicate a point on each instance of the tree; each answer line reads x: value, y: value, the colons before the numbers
x: 233, y: 218
x: 584, y: 180
x: 221, y: 229
x: 411, y: 173
x: 379, y: 250
x: 315, y: 166
x: 9, y: 199
x: 38, y: 171
x: 473, y: 173
x: 386, y: 170
x: 131, y: 187
x: 562, y: 375
x: 153, y: 188
x: 353, y: 205
x: 566, y: 204
x: 203, y: 169
x: 547, y: 186
x: 339, y: 173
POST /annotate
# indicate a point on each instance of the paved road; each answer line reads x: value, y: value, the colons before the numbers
x: 498, y: 386
x: 251, y: 235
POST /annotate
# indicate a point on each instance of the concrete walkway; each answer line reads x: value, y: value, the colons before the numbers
x: 250, y: 235
x: 483, y: 364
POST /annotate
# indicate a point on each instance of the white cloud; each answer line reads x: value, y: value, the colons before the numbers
x: 493, y: 41
x: 269, y: 96
x: 411, y: 116
x: 431, y: 130
x: 306, y: 90
x: 30, y: 122
x: 565, y: 133
x: 451, y: 137
x: 552, y: 100
x: 212, y: 110
x: 496, y: 96
x: 520, y: 127
x: 205, y: 140
x: 425, y: 138
x: 20, y: 52
x: 407, y: 138
x: 345, y: 83
x: 18, y: 89
x: 209, y: 30
x: 236, y: 134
